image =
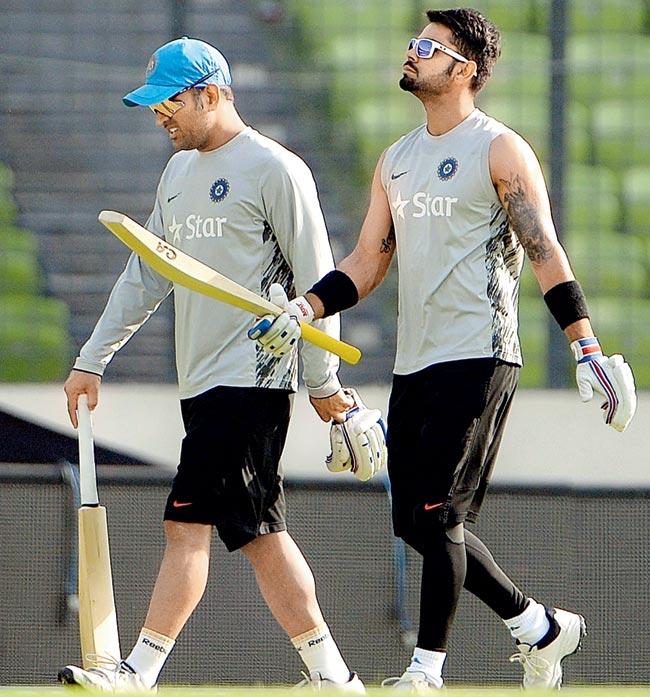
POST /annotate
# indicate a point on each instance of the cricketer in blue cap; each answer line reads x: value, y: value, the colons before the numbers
x: 177, y: 66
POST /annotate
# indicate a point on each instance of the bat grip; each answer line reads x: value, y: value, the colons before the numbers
x: 87, y: 473
x: 259, y: 329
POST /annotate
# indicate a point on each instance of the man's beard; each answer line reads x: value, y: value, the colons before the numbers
x: 195, y: 140
x: 435, y: 86
x: 407, y: 83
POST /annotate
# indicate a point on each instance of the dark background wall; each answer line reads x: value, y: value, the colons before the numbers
x: 585, y: 551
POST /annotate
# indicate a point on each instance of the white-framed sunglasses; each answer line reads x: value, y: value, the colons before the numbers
x: 425, y: 48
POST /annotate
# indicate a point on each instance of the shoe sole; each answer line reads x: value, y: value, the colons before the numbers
x: 583, y: 634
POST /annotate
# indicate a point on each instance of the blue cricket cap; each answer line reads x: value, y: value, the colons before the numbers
x: 175, y: 67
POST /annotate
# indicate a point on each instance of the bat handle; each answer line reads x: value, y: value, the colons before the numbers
x: 259, y: 328
x: 87, y: 473
x: 350, y: 354
x: 347, y: 352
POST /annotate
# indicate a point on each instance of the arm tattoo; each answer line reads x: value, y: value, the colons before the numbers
x: 525, y: 221
x: 387, y: 243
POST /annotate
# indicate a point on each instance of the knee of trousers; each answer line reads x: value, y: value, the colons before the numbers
x: 430, y: 527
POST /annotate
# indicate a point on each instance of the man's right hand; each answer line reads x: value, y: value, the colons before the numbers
x: 278, y: 335
x: 79, y: 383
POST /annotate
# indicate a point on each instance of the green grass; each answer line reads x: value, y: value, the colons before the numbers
x: 256, y: 691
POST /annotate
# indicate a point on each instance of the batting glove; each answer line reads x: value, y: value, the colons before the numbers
x: 278, y: 335
x: 359, y: 443
x: 611, y: 377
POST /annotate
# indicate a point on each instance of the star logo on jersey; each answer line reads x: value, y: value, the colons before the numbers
x: 423, y: 204
x: 175, y: 230
x: 219, y: 190
x: 196, y: 227
x: 447, y: 168
x: 399, y: 203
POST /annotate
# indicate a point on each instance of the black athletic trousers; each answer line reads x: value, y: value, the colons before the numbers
x: 447, y: 567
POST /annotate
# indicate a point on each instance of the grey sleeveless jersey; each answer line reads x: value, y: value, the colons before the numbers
x: 250, y: 210
x: 459, y: 260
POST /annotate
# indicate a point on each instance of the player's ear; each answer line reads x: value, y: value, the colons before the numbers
x: 468, y: 70
x: 213, y: 96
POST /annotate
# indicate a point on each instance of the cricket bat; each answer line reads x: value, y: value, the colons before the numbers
x: 179, y: 267
x: 97, y: 617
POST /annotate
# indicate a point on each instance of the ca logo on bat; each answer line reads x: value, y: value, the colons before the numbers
x: 163, y: 249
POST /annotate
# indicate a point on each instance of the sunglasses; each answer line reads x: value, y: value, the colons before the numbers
x: 167, y: 108
x: 425, y: 48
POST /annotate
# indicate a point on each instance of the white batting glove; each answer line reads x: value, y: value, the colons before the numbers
x: 359, y: 443
x: 278, y: 335
x: 611, y: 377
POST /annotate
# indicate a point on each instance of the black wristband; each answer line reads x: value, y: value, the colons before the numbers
x: 567, y: 303
x: 336, y: 290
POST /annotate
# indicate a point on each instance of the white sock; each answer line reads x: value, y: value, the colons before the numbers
x: 428, y: 662
x: 531, y: 626
x: 149, y: 654
x: 320, y: 654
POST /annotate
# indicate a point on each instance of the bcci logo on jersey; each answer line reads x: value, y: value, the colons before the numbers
x: 219, y: 190
x: 194, y: 226
x: 447, y: 168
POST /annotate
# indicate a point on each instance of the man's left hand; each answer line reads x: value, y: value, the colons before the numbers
x: 609, y: 376
x: 333, y: 408
x: 359, y: 443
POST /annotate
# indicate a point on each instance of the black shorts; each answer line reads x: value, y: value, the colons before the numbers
x: 445, y: 425
x: 229, y: 474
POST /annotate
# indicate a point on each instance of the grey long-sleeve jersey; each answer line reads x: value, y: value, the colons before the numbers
x: 250, y: 210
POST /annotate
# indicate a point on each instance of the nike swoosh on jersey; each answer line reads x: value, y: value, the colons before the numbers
x: 400, y: 174
x: 181, y: 504
x: 171, y: 198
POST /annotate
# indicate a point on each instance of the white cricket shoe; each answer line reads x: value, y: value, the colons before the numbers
x: 317, y: 682
x: 542, y: 662
x: 412, y: 681
x: 116, y: 678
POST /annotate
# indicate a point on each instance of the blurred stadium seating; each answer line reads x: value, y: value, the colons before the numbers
x: 34, y: 338
x: 608, y: 147
x: 322, y: 78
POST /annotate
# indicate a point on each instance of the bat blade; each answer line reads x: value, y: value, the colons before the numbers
x: 97, y: 617
x: 181, y: 268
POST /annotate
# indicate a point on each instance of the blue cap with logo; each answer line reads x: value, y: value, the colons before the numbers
x: 177, y: 66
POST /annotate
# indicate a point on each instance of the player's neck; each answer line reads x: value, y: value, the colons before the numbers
x: 228, y: 127
x: 445, y: 112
